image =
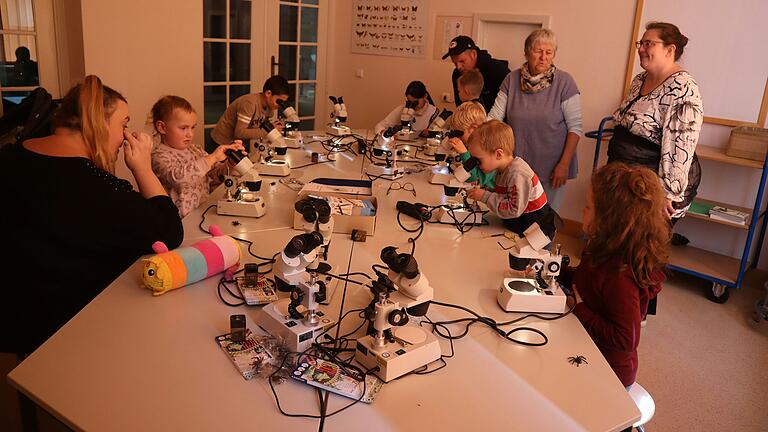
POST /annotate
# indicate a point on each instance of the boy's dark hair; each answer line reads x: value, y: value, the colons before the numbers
x: 418, y: 90
x: 277, y: 85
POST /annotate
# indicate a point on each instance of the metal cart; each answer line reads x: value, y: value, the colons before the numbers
x: 723, y: 271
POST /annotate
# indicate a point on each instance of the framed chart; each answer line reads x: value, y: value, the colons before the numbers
x: 390, y: 27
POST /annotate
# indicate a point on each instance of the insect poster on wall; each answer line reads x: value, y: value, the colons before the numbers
x: 390, y: 27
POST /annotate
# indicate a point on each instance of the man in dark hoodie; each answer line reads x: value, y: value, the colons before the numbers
x: 465, y: 55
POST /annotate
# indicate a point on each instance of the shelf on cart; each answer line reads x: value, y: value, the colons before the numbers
x: 718, y: 221
x: 718, y: 154
x: 693, y: 259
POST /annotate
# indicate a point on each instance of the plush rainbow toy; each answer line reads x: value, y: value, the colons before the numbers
x: 173, y: 269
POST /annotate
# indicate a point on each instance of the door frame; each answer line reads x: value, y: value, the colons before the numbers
x: 262, y: 55
x: 478, y: 20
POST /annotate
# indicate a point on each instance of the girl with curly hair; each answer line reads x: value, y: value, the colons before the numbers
x: 622, y: 265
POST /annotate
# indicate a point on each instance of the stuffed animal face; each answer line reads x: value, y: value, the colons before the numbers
x: 156, y: 274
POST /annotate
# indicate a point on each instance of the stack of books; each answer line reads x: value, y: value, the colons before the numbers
x: 728, y: 215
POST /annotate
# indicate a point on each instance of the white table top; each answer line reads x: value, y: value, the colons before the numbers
x: 131, y: 361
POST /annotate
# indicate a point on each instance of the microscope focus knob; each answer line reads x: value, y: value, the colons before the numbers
x: 297, y: 296
x: 398, y: 317
x: 553, y: 267
x: 320, y: 295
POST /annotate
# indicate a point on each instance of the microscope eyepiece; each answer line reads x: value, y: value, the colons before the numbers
x: 323, y: 210
x: 234, y: 155
x: 306, y: 209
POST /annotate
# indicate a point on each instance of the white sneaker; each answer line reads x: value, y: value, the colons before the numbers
x: 642, y: 323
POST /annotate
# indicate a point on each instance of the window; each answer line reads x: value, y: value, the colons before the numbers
x: 226, y: 58
x: 19, y: 73
x: 297, y: 50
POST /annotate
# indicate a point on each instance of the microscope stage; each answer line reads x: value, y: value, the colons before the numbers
x: 413, y: 348
x: 441, y: 176
x: 275, y: 167
x: 294, y: 142
x: 255, y: 208
x: 338, y: 130
x: 380, y: 169
x: 522, y: 295
x: 297, y: 334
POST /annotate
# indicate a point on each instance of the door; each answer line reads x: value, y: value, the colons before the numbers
x: 296, y: 50
x: 504, y: 35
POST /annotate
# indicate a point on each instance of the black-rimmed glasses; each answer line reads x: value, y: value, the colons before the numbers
x: 404, y: 186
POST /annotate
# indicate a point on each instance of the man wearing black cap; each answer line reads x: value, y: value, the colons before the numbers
x: 465, y: 55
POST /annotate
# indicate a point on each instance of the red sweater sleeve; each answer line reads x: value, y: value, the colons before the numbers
x: 610, y: 310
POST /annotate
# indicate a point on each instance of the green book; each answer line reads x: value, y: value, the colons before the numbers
x: 700, y: 208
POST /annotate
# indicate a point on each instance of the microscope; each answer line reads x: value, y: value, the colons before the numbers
x: 291, y: 133
x: 301, y: 317
x: 240, y: 198
x: 392, y: 344
x: 407, y: 119
x: 542, y: 292
x: 385, y: 147
x: 444, y: 155
x: 436, y: 131
x: 461, y: 210
x: 339, y: 116
x: 272, y: 142
x: 316, y: 215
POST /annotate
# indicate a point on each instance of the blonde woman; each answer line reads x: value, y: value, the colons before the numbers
x: 75, y: 227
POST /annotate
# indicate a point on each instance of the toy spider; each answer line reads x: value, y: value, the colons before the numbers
x: 578, y: 360
x: 235, y: 223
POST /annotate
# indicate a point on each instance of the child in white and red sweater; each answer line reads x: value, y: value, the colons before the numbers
x: 518, y: 198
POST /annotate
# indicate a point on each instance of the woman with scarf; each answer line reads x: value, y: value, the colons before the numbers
x: 543, y: 106
x: 658, y: 123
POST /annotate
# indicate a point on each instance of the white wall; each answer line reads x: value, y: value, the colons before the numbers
x: 69, y: 43
x: 153, y: 48
x: 594, y: 43
x: 593, y: 38
x: 146, y: 49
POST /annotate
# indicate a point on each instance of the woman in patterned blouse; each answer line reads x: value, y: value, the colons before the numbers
x: 658, y: 123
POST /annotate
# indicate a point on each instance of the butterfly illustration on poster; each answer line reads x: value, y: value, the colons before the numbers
x: 390, y: 27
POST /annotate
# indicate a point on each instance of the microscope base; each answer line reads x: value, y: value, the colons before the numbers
x: 430, y: 148
x: 382, y: 170
x: 550, y: 300
x: 255, y: 209
x: 298, y: 336
x: 441, y: 176
x: 398, y: 358
x: 461, y: 214
x: 407, y: 135
x: 295, y: 141
x: 275, y: 167
x: 338, y: 130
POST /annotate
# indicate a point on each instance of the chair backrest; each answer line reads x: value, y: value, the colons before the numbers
x: 31, y: 118
x: 644, y: 403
